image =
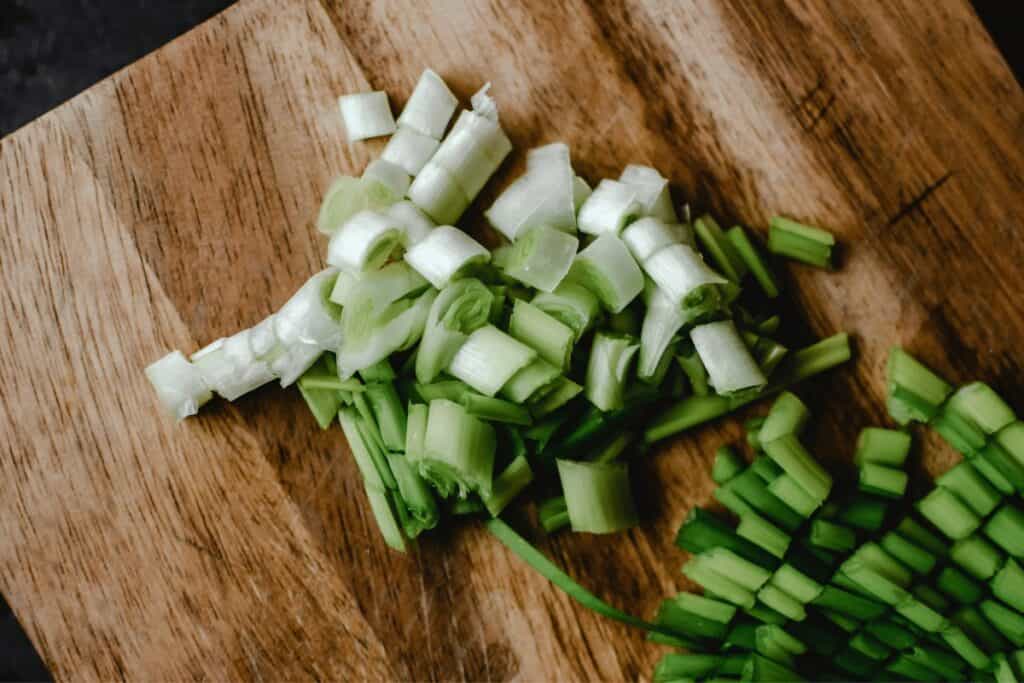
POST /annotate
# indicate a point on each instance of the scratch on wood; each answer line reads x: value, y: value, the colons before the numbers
x: 915, y: 203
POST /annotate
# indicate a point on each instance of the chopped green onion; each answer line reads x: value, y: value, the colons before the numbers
x: 365, y: 242
x: 916, y: 532
x: 553, y: 514
x: 957, y: 585
x: 682, y: 274
x: 915, y: 557
x: 366, y: 115
x: 531, y: 379
x: 1009, y: 466
x: 695, y: 372
x: 382, y: 504
x: 390, y: 175
x: 760, y: 668
x: 981, y: 406
x: 848, y: 603
x: 948, y: 514
x: 738, y: 569
x: 647, y: 236
x: 971, y: 620
x: 801, y: 242
x: 921, y: 615
x: 1008, y: 622
x: 346, y: 197
x: 890, y: 632
x: 572, y: 304
x: 541, y: 257
x: 652, y: 191
x: 961, y: 643
x: 430, y: 106
x: 580, y: 191
x: 614, y: 448
x: 794, y: 459
x: 875, y: 557
x: 863, y: 513
x: 870, y: 647
x: 610, y: 357
x: 458, y: 451
x: 1008, y: 585
x: 714, y: 610
x: 703, y: 531
x: 732, y: 501
x: 726, y: 466
x: 415, y: 494
x: 751, y: 487
x: 825, y: 534
x: 373, y: 335
x: 607, y: 269
x: 436, y: 193
x: 875, y: 583
x: 662, y: 321
x: 672, y: 616
x: 544, y: 195
x: 971, y: 488
x: 415, y: 431
x: 915, y: 386
x: 888, y: 447
x: 882, y: 481
x: 788, y: 416
x: 452, y: 389
x: 444, y: 254
x: 750, y: 256
x: 609, y: 208
x: 786, y: 489
x: 672, y: 668
x: 721, y: 249
x: 415, y: 224
x: 562, y: 391
x: 231, y: 368
x: 495, y: 409
x: 758, y: 530
x: 388, y: 412
x: 769, y: 644
x: 461, y: 308
x: 796, y: 584
x: 552, y: 339
x: 698, y: 571
x: 489, y: 359
x: 1002, y: 670
x: 409, y: 149
x: 507, y: 485
x: 472, y: 151
x: 1006, y: 528
x: 730, y: 366
x: 597, y: 495
x: 179, y: 385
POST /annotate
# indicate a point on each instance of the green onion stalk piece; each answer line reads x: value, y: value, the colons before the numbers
x: 507, y: 485
x: 488, y: 359
x: 916, y: 390
x: 461, y: 307
x: 610, y: 358
x: 417, y: 498
x: 597, y: 496
x: 458, y: 451
x: 801, y: 242
x: 552, y: 339
x: 959, y: 586
x: 1006, y: 529
x: 323, y: 402
x: 948, y: 513
x: 883, y: 481
x: 553, y: 514
x: 572, y: 304
x: 825, y: 534
x: 541, y: 257
x: 754, y: 260
x: 888, y: 447
x: 979, y: 405
x: 347, y: 196
x: 727, y: 465
x: 722, y: 251
x: 977, y: 557
x: 607, y: 269
x: 751, y: 488
x: 495, y: 409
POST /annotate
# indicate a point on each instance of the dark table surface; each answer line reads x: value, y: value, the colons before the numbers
x: 51, y: 50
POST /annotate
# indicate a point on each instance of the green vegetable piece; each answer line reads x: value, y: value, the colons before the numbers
x: 948, y: 514
x: 977, y: 556
x: 598, y: 496
x: 908, y: 553
x: 552, y: 339
x: 458, y: 451
x: 889, y: 447
x: 1006, y: 529
x: 971, y: 488
x: 1008, y: 585
x: 882, y: 481
x: 754, y: 261
x: 812, y: 246
x: 760, y: 531
x: 825, y: 534
x: 727, y: 465
x: 959, y: 586
x: 553, y: 514
x: 721, y: 250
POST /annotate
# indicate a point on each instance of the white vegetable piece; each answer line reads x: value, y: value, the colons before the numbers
x: 483, y: 104
x: 366, y: 115
x: 580, y: 191
x: 294, y: 361
x: 541, y: 257
x: 678, y: 270
x: 388, y: 174
x: 363, y: 242
x: 472, y: 152
x: 309, y: 317
x: 409, y: 149
x: 179, y: 385
x: 262, y: 339
x: 230, y: 368
x: 396, y: 334
x: 444, y: 252
x: 608, y: 208
x: 727, y: 359
x: 662, y: 321
x: 647, y: 236
x: 544, y: 195
x: 489, y: 359
x: 416, y: 224
x: 430, y: 106
x: 608, y: 270
x: 435, y: 192
x: 652, y: 191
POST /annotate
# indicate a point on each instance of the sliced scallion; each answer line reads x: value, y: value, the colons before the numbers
x: 179, y: 385
x: 647, y: 236
x: 444, y: 254
x: 755, y: 262
x: 971, y: 487
x: 801, y: 242
x: 414, y: 223
x: 552, y: 339
x: 530, y: 380
x: 429, y: 107
x: 388, y: 174
x: 553, y: 514
x: 409, y: 149
x: 461, y: 308
x: 458, y: 451
x: 948, y: 514
x: 607, y: 269
x: 598, y: 496
x: 730, y: 366
x: 610, y: 358
x: 609, y: 208
x: 366, y: 115
x: 507, y: 485
x: 883, y: 481
x: 572, y: 304
x: 721, y: 249
x: 495, y: 409
x: 366, y: 241
x: 437, y: 194
x: 652, y: 191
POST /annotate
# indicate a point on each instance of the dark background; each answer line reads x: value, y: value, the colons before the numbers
x: 52, y: 49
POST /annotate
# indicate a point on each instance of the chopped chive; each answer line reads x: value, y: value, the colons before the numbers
x: 673, y: 641
x: 931, y: 597
x: 993, y: 476
x: 963, y: 436
x: 947, y: 513
x: 848, y: 603
x: 675, y: 618
x: 703, y: 531
x: 810, y: 245
x: 1006, y: 529
x: 864, y: 513
x: 1008, y: 585
x: 766, y: 469
x: 782, y: 602
x: 910, y: 554
x: 980, y: 405
x: 766, y: 644
x: 796, y: 583
x: 758, y: 530
x: 507, y: 485
x: 741, y: 636
x: 870, y: 647
x: 726, y: 466
x: 674, y: 667
x: 841, y: 580
x: 744, y: 572
x: 787, y: 417
x: 974, y: 624
x: 757, y: 265
x: 553, y: 514
x: 946, y: 664
x: 961, y: 643
x: 495, y: 409
x: 915, y: 385
x: 732, y: 501
x: 888, y: 447
x: 825, y: 534
x: 752, y: 489
x: 388, y: 412
x: 890, y: 632
x: 614, y: 448
x: 766, y: 614
x: 794, y: 459
x: 597, y: 495
x: 1002, y: 669
x: 971, y: 488
x: 921, y: 615
x: 907, y: 668
x: 552, y: 339
x: 1011, y: 438
x: 753, y: 429
x: 381, y: 503
x: 698, y: 571
x: 882, y: 480
x: 959, y: 586
x: 368, y: 457
x: 916, y: 532
x: 785, y: 488
x: 977, y: 556
x: 721, y: 250
x: 420, y: 502
x: 709, y: 609
x: 1009, y: 622
x: 1002, y: 461
x: 855, y: 663
x: 760, y: 668
x: 876, y: 583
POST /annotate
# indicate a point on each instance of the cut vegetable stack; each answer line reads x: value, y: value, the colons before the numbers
x: 862, y: 586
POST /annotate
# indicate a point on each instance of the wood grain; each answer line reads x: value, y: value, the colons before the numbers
x: 173, y: 203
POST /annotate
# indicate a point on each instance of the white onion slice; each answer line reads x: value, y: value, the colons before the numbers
x: 366, y: 115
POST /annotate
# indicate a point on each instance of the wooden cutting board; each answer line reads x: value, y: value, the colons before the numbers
x: 173, y: 203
